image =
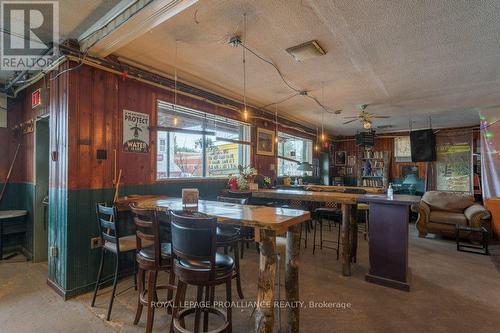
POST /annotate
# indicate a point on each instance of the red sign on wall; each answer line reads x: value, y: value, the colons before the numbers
x: 36, y: 98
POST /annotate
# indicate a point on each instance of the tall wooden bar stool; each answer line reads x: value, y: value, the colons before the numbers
x: 230, y: 236
x: 332, y: 213
x: 114, y: 243
x: 152, y: 257
x: 197, y: 263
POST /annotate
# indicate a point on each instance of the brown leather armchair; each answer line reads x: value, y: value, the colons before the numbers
x: 439, y: 212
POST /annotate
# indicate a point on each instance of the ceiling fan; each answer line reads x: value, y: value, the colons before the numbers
x: 366, y: 118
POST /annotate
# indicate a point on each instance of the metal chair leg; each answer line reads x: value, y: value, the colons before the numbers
x: 115, y: 280
x: 99, y: 273
x: 238, y: 274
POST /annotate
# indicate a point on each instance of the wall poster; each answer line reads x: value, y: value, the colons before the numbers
x: 135, y: 132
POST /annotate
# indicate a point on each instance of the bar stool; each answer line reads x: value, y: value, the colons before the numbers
x: 304, y: 227
x: 247, y: 234
x: 196, y: 262
x: 230, y: 236
x: 364, y: 208
x: 152, y: 257
x: 113, y: 242
x: 331, y: 213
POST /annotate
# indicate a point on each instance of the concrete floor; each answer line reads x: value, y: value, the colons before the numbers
x: 451, y: 292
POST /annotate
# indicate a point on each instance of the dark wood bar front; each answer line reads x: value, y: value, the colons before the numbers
x: 388, y: 234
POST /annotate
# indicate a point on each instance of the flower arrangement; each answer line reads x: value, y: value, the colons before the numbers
x: 240, y: 182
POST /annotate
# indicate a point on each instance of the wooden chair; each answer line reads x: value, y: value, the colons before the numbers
x: 196, y: 262
x: 152, y: 257
x: 229, y: 236
x: 113, y: 242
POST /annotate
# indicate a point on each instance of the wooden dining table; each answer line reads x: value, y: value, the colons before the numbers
x: 348, y: 201
x: 268, y: 222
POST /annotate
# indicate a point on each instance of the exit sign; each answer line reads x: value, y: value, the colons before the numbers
x: 36, y: 98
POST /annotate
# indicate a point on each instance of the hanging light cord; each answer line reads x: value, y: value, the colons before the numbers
x: 244, y: 64
x: 287, y: 83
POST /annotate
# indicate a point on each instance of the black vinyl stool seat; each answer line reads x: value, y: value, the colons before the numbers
x: 332, y: 213
x: 152, y: 257
x: 114, y: 242
x: 197, y: 263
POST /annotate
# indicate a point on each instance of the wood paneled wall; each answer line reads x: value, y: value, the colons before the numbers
x: 97, y: 100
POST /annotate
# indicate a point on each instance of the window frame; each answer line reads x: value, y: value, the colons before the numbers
x: 306, y: 141
x: 204, y: 133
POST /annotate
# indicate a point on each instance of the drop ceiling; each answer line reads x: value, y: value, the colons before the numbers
x: 410, y: 60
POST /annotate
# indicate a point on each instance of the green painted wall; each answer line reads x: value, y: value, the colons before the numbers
x: 19, y: 196
x: 80, y: 262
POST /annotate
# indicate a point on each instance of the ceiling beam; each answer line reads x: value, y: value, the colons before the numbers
x: 128, y: 21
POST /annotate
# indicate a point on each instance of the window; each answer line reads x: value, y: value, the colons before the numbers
x: 293, y: 150
x: 197, y: 144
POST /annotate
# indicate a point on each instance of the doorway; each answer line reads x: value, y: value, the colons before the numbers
x: 40, y: 209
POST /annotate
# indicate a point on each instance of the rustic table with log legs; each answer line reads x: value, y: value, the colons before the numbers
x: 270, y: 222
x: 349, y: 228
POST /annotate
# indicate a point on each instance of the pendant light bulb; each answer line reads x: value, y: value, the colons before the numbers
x: 316, y: 147
x: 175, y: 121
x: 367, y: 125
x: 245, y: 114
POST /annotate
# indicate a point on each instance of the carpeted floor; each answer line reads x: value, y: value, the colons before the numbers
x: 451, y: 292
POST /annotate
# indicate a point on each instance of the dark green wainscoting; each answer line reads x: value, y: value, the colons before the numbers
x: 75, y: 268
x: 19, y: 196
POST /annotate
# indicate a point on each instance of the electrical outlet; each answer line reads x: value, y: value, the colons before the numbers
x: 53, y: 251
x: 95, y: 242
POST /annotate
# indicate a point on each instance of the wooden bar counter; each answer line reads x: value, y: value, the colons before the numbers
x: 348, y: 202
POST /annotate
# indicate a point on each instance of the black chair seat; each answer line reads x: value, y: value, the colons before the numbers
x: 227, y: 233
x: 149, y: 252
x: 223, y: 263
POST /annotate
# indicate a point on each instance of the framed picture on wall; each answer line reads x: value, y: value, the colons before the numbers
x: 340, y: 157
x: 265, y: 142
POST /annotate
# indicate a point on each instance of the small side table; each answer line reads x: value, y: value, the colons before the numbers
x: 7, y: 216
x: 478, y: 249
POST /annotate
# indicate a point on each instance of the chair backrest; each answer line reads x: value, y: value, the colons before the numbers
x: 107, y: 222
x: 147, y: 229
x: 194, y: 236
x: 240, y: 201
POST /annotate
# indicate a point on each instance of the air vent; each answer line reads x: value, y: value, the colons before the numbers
x: 306, y: 51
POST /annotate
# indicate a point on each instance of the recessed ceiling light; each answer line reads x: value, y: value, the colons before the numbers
x: 306, y: 51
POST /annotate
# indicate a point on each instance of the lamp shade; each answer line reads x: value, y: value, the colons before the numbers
x: 305, y: 166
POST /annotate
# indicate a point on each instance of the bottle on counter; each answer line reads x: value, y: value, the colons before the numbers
x: 390, y: 192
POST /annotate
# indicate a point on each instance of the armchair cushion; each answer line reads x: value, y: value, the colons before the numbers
x: 447, y: 201
x: 475, y: 214
x: 438, y: 216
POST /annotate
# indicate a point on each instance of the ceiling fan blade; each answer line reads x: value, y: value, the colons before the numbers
x: 348, y: 122
x: 351, y: 117
x: 381, y: 117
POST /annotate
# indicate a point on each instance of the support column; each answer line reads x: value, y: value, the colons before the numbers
x: 264, y: 315
x: 346, y: 218
x: 292, y: 277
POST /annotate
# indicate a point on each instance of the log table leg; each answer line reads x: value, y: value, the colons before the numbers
x: 292, y: 277
x: 353, y: 226
x: 346, y: 260
x: 264, y: 315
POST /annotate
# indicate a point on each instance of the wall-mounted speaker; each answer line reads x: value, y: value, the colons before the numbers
x: 365, y: 139
x: 423, y: 146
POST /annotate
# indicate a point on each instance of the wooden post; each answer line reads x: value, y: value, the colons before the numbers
x: 346, y: 218
x: 353, y: 226
x: 264, y: 315
x: 292, y: 277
